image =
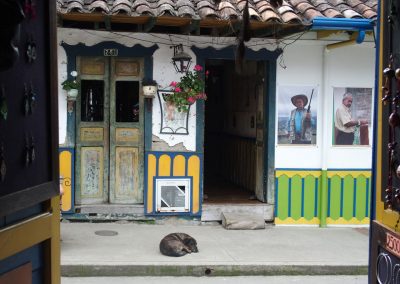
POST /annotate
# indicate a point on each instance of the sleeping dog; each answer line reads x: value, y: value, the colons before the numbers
x: 178, y: 244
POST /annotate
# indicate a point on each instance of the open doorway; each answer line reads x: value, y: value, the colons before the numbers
x: 234, y: 127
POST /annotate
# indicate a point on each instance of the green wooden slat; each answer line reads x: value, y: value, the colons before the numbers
x: 309, y: 197
x: 283, y: 196
x: 361, y: 197
x: 296, y: 197
x: 348, y: 197
x: 335, y: 198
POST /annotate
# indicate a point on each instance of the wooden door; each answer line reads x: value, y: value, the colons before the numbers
x: 92, y: 131
x: 126, y: 131
x: 109, y: 137
x: 260, y: 134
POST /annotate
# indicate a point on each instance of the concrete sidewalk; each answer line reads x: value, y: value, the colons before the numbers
x: 134, y: 251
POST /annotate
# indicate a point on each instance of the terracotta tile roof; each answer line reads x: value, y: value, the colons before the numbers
x: 292, y: 11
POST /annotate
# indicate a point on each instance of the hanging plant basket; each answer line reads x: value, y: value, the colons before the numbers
x: 149, y: 91
x: 72, y: 94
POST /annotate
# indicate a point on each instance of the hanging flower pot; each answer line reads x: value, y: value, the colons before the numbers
x: 72, y: 94
x: 150, y: 88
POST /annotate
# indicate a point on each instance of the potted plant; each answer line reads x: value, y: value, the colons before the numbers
x: 149, y: 88
x: 71, y: 86
x: 188, y: 90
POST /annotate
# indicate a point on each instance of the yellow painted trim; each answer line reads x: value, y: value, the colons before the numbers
x: 301, y: 221
x: 164, y: 166
x: 352, y: 221
x: 65, y: 172
x: 151, y: 172
x: 293, y: 173
x: 354, y: 174
x: 194, y: 171
x: 55, y: 246
x: 25, y: 234
x: 179, y: 165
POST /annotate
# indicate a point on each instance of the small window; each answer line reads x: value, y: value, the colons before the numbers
x: 92, y: 100
x: 127, y: 101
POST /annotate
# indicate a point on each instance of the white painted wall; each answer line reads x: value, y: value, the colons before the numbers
x: 308, y: 63
x: 163, y: 71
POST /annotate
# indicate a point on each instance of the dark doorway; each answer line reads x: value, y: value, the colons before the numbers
x: 230, y: 163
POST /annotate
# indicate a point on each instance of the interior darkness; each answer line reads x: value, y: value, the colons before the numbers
x: 127, y: 101
x: 92, y: 100
x: 229, y: 156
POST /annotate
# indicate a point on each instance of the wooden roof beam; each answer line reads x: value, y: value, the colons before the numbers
x: 192, y: 27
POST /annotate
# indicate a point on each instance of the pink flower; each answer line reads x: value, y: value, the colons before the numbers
x: 198, y: 68
x: 207, y: 72
x: 202, y: 96
x: 173, y: 84
x: 191, y: 100
x: 178, y: 90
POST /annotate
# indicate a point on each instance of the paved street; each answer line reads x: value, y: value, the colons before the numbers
x: 219, y: 280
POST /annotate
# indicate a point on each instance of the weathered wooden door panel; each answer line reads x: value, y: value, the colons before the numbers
x: 92, y: 169
x: 92, y: 131
x: 127, y: 187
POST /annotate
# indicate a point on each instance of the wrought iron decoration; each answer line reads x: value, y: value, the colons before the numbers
x: 392, y: 78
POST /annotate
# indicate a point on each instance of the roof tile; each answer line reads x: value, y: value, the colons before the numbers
x: 291, y: 11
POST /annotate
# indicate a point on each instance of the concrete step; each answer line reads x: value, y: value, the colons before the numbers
x: 235, y: 221
x: 212, y: 212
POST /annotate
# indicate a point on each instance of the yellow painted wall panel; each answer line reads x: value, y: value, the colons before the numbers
x: 194, y: 171
x: 151, y: 172
x: 164, y: 165
x: 66, y: 180
x: 179, y: 165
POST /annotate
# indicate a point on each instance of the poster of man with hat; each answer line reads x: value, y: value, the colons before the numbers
x: 297, y: 125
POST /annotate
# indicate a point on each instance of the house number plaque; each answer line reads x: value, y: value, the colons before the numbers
x: 110, y: 52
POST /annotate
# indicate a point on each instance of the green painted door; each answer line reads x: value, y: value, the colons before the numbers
x: 109, y: 131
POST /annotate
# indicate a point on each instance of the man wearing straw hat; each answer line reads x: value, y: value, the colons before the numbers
x: 300, y: 121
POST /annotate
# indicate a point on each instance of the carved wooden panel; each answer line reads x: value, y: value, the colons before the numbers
x: 127, y: 135
x: 92, y: 134
x: 125, y: 68
x: 127, y: 174
x: 92, y: 66
x: 92, y: 166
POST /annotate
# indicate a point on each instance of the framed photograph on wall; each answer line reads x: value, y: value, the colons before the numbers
x: 352, y: 115
x: 297, y: 115
x: 172, y: 120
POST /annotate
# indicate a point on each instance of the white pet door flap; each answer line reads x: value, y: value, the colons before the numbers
x: 173, y: 195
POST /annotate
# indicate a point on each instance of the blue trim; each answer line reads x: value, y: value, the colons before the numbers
x: 329, y: 198
x: 341, y: 196
x: 269, y: 126
x: 276, y: 196
x: 145, y: 183
x: 316, y: 198
x: 290, y: 199
x: 302, y: 197
x: 72, y: 151
x: 354, y: 196
x: 344, y: 24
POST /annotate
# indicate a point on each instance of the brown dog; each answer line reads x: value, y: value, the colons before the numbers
x: 178, y: 244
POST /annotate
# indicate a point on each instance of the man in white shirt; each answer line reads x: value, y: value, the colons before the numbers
x: 344, y: 123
